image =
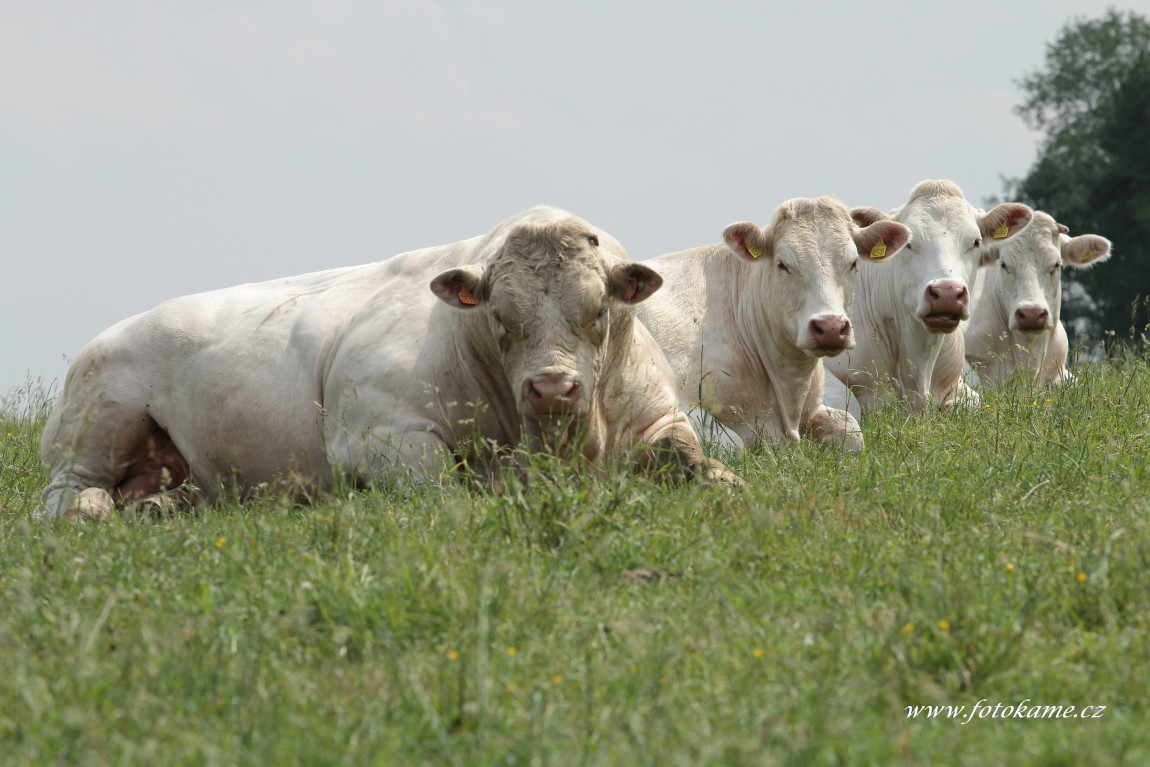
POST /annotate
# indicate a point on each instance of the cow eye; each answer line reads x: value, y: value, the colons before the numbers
x: 855, y: 265
x: 1005, y: 268
x: 1056, y: 267
x: 977, y: 242
x: 782, y: 267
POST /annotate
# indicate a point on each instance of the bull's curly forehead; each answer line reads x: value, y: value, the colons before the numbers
x: 811, y: 216
x: 545, y: 248
x: 936, y: 202
x: 1042, y: 228
x: 935, y: 188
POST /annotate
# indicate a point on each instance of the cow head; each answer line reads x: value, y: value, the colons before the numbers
x: 808, y: 259
x: 946, y: 244
x: 1029, y: 271
x: 544, y: 306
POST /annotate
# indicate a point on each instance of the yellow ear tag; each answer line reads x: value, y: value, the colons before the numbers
x: 466, y: 297
x: 1001, y: 231
x: 1088, y: 255
x: 878, y: 251
x: 755, y: 252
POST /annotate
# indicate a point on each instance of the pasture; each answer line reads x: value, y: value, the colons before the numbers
x: 998, y: 555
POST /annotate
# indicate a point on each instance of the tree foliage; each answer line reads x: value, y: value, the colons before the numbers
x: 1092, y: 102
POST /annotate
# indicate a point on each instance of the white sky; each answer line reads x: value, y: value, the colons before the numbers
x: 153, y: 149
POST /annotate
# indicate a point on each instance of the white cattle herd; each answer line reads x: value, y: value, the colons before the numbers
x: 543, y: 335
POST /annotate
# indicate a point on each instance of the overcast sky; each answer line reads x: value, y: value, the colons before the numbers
x: 154, y: 149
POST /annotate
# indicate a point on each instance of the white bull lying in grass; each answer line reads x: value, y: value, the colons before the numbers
x: 527, y: 337
x: 906, y: 314
x: 1015, y: 321
x: 745, y: 323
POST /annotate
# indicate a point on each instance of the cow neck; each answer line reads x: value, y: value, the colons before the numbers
x: 787, y: 370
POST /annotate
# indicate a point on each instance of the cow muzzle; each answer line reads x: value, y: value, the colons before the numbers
x: 1032, y: 319
x: 830, y: 334
x: 947, y: 304
x: 554, y: 394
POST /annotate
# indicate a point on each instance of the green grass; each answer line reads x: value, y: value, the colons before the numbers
x: 1001, y: 554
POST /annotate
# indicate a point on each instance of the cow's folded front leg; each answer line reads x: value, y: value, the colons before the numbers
x: 836, y: 427
x: 673, y: 442
x: 415, y: 455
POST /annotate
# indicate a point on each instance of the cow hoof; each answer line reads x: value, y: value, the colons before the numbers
x: 852, y: 442
x: 721, y: 475
x: 93, y: 504
x: 158, y: 506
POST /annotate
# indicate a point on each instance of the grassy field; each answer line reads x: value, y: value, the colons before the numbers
x: 1000, y: 555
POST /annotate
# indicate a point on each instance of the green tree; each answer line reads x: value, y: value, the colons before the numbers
x: 1092, y: 102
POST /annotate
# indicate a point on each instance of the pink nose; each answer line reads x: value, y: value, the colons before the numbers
x: 1032, y: 318
x: 552, y: 394
x: 830, y: 333
x: 947, y: 297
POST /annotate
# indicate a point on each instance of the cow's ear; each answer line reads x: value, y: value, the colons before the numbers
x: 748, y: 240
x: 864, y: 216
x: 1084, y: 250
x: 459, y: 287
x: 1004, y: 221
x: 633, y: 282
x: 881, y: 240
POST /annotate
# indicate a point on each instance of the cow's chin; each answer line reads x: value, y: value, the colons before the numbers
x: 1031, y: 334
x: 814, y: 351
x: 554, y: 432
x: 942, y: 323
x: 555, y: 420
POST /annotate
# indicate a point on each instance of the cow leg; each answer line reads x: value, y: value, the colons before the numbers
x: 673, y: 442
x: 100, y: 457
x: 417, y: 455
x: 961, y: 395
x: 836, y: 427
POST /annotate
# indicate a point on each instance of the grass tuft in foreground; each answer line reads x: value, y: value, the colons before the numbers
x: 998, y: 554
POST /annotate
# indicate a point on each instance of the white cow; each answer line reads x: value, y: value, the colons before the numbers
x: 746, y: 322
x: 905, y: 318
x: 1015, y: 321
x: 527, y: 337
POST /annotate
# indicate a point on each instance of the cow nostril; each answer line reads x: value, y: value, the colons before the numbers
x: 551, y: 393
x: 830, y: 332
x: 1029, y: 316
